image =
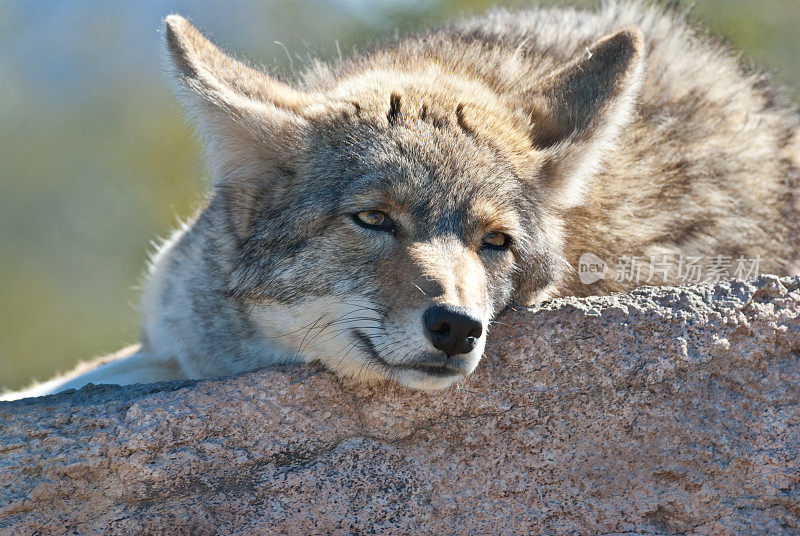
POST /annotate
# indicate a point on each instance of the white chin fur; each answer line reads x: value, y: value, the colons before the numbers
x: 415, y: 379
x: 425, y: 382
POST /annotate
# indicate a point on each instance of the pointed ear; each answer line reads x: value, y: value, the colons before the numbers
x: 578, y: 110
x: 252, y: 124
x: 239, y: 110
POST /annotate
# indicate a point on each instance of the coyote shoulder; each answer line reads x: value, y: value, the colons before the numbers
x: 377, y: 213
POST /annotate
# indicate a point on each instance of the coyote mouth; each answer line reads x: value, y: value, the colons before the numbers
x: 435, y: 367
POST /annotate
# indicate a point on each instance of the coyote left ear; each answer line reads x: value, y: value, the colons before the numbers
x: 577, y: 111
x: 253, y: 125
x: 240, y: 111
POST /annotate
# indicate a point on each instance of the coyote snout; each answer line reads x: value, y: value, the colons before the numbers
x: 441, y: 335
x: 446, y: 320
x: 455, y: 341
x: 456, y: 335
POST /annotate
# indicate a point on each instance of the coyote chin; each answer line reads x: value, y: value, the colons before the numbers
x: 377, y: 214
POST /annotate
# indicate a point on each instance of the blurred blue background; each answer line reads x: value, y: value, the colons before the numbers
x: 96, y: 160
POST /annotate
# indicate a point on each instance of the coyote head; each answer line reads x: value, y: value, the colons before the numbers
x: 380, y: 216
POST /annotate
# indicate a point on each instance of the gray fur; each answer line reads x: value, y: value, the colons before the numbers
x: 616, y: 132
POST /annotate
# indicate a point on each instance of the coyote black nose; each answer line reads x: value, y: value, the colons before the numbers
x: 452, y: 329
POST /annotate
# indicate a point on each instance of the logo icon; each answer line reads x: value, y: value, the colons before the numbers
x: 591, y: 268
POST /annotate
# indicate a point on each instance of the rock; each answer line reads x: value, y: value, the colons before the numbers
x: 663, y: 411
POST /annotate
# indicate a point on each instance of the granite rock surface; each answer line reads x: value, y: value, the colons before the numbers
x: 664, y: 411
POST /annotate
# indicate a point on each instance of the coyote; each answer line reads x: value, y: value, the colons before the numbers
x: 376, y: 214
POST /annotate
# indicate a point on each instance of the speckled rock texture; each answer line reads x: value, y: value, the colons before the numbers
x: 664, y: 411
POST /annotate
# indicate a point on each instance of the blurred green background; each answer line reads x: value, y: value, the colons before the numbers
x: 97, y: 162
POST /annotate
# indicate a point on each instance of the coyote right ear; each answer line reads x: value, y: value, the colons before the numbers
x: 577, y: 111
x: 243, y: 113
x: 252, y: 124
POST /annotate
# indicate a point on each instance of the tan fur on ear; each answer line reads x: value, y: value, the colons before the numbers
x: 578, y: 110
x: 240, y: 111
x: 252, y: 123
x: 198, y: 59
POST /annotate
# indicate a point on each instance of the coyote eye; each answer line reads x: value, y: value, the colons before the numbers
x: 496, y: 241
x: 375, y: 220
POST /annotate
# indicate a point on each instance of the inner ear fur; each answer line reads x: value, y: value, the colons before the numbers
x: 577, y: 111
x: 253, y: 125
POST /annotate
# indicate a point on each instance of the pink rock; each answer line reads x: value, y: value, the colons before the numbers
x: 667, y: 410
